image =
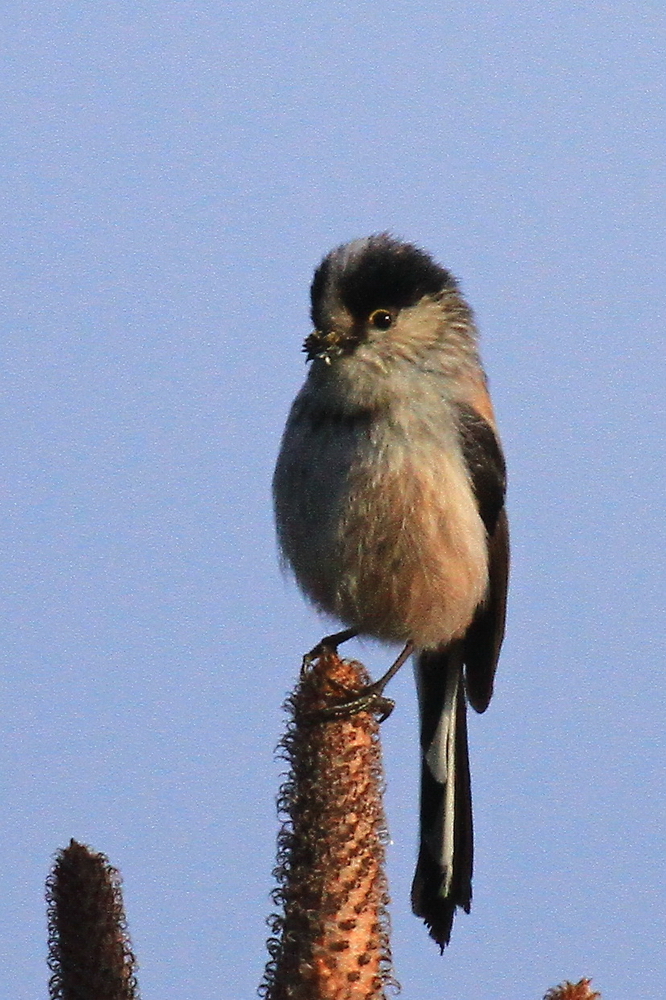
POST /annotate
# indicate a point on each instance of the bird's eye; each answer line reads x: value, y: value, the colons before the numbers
x: 381, y: 319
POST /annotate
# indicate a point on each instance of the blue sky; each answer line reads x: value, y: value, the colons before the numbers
x: 171, y: 174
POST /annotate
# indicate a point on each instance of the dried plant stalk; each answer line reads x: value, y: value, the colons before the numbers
x: 89, y: 948
x: 573, y: 991
x: 331, y: 941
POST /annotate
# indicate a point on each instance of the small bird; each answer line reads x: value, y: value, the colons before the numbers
x: 389, y: 506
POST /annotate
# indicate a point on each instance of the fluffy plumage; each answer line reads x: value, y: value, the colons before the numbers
x: 389, y: 501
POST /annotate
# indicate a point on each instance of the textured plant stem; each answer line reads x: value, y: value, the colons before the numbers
x: 331, y: 940
x: 581, y: 990
x: 89, y: 948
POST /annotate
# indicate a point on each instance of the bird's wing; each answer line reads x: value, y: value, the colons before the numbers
x: 487, y: 470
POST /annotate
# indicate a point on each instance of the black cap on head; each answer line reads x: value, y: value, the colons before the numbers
x: 375, y: 273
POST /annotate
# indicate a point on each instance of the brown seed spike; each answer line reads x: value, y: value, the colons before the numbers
x: 573, y: 991
x: 331, y: 940
x: 89, y: 949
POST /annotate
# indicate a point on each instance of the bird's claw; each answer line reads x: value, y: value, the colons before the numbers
x: 368, y: 699
x: 329, y: 644
x: 314, y: 654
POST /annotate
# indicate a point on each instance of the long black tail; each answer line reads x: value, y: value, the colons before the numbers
x: 443, y: 878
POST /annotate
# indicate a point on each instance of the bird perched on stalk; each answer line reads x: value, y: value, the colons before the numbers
x: 389, y: 504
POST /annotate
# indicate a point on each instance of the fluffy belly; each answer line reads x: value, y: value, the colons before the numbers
x: 380, y: 533
x: 412, y: 557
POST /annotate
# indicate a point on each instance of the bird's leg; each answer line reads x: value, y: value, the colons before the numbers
x: 378, y: 686
x: 370, y: 698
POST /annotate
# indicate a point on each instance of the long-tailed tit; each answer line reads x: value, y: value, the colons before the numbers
x: 389, y: 504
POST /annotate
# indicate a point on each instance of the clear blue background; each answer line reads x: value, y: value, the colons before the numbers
x: 171, y: 173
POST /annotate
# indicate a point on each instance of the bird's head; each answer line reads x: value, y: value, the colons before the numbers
x: 380, y: 292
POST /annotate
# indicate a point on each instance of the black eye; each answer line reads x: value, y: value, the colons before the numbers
x: 381, y: 319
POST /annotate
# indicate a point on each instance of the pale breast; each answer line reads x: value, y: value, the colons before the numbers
x: 377, y: 517
x: 412, y: 546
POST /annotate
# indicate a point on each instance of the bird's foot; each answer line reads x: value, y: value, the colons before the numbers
x: 329, y: 644
x: 369, y: 698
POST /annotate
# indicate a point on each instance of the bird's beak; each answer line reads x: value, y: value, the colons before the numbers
x: 324, y: 346
x: 327, y: 345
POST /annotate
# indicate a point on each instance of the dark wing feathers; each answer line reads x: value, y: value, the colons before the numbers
x: 485, y: 462
x: 484, y: 636
x: 483, y: 639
